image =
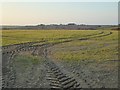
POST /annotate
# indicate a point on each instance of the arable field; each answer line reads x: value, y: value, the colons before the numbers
x: 60, y: 58
x: 10, y: 37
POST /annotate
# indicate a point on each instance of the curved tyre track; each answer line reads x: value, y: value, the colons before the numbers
x: 57, y: 78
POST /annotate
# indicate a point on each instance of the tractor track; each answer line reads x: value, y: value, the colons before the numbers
x: 28, y: 45
x: 58, y: 79
x: 55, y: 76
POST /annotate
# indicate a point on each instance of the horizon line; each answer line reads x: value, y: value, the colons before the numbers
x: 51, y: 24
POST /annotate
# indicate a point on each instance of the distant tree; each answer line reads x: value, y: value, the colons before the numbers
x: 99, y: 26
x: 71, y: 24
x: 41, y: 25
x: 54, y: 24
x: 60, y: 24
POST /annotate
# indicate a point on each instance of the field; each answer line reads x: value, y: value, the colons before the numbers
x: 60, y: 58
x: 10, y: 37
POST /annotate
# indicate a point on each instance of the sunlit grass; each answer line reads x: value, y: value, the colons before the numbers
x: 21, y: 36
x: 99, y: 48
x: 94, y: 48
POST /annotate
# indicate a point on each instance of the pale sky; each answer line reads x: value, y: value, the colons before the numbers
x: 28, y: 13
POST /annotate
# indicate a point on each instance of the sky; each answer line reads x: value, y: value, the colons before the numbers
x: 59, y: 0
x: 33, y: 13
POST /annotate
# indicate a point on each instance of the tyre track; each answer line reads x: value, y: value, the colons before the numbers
x: 89, y: 81
x: 57, y: 78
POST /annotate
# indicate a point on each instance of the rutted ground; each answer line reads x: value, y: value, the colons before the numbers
x: 33, y: 65
x: 95, y: 61
x: 95, y: 74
